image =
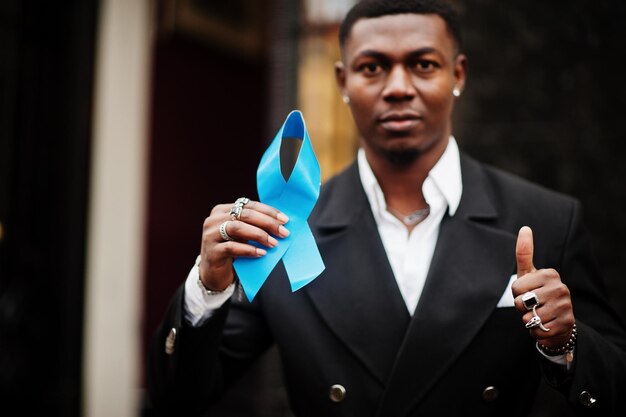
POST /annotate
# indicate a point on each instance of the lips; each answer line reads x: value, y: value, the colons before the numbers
x: 400, y: 121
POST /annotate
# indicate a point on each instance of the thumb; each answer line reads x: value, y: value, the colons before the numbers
x: 524, y: 251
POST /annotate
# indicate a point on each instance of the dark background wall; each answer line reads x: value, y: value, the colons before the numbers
x: 46, y: 69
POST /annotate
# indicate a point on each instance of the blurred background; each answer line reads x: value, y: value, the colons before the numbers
x: 122, y: 122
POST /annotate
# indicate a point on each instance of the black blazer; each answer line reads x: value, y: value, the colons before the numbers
x: 351, y: 326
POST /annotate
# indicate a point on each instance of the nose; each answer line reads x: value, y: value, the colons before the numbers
x: 399, y: 85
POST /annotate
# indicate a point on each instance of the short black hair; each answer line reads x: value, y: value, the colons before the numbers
x: 377, y: 8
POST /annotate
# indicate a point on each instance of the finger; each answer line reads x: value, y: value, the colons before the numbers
x: 270, y: 211
x: 265, y: 222
x: 524, y: 251
x: 234, y: 249
x: 267, y: 210
x: 245, y: 232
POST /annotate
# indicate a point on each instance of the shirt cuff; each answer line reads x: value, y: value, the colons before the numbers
x: 199, y: 305
x: 558, y: 359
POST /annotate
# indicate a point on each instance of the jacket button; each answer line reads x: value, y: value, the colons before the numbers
x: 586, y: 399
x: 337, y: 393
x: 170, y: 341
x: 490, y: 393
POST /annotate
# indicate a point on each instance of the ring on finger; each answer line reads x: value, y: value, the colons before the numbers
x: 235, y: 212
x: 541, y: 326
x: 530, y: 300
x: 237, y: 208
x: 242, y: 201
x: 535, y: 321
x: 223, y: 233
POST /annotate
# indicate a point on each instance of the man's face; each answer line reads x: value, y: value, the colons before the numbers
x: 399, y: 72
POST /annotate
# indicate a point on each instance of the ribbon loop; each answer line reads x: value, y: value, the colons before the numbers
x: 295, y: 197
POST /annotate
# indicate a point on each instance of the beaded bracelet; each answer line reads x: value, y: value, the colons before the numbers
x: 566, y: 348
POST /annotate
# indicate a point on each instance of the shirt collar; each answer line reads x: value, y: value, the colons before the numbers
x: 444, y: 179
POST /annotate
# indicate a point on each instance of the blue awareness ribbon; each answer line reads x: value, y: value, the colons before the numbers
x: 295, y: 197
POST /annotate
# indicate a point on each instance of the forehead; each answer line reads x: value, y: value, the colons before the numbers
x: 396, y: 33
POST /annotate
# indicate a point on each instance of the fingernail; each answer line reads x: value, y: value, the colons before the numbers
x: 260, y: 252
x: 284, y: 219
x: 282, y: 231
x: 272, y: 242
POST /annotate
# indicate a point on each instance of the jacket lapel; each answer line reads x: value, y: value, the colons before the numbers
x: 358, y: 297
x: 469, y: 272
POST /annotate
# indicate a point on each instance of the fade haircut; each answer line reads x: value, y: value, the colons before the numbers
x: 367, y: 9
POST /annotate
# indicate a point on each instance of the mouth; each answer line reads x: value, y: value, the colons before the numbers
x: 398, y: 122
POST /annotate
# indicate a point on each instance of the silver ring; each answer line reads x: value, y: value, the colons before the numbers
x: 242, y: 201
x: 530, y: 300
x: 223, y: 233
x: 535, y: 321
x: 235, y: 212
x: 237, y: 208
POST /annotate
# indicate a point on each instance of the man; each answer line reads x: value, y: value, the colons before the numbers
x: 430, y: 303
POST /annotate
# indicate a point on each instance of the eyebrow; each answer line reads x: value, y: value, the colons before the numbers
x: 381, y: 56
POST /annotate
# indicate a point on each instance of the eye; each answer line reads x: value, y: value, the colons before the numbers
x: 370, y: 68
x: 425, y: 65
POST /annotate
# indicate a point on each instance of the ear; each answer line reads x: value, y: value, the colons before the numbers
x: 460, y: 71
x: 340, y: 77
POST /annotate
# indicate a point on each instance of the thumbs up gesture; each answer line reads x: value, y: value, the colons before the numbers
x: 552, y: 302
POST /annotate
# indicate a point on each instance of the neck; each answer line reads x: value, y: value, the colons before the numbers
x: 402, y: 184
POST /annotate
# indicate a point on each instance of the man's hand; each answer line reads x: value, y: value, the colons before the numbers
x: 555, y: 304
x: 258, y: 222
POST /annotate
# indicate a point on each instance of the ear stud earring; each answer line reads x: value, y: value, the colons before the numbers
x: 456, y: 92
x: 346, y: 99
